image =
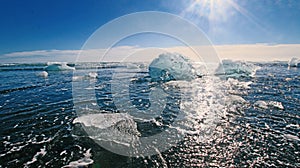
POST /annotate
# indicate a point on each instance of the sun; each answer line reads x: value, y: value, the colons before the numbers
x: 217, y: 12
x: 213, y: 10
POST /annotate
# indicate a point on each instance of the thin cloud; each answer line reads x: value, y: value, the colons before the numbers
x: 247, y: 52
x: 42, y: 53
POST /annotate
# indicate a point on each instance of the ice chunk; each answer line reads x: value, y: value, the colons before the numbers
x: 171, y: 66
x: 291, y: 137
x: 58, y: 66
x: 294, y: 62
x: 261, y: 104
x: 102, y: 120
x: 113, y: 127
x: 236, y: 99
x: 236, y: 69
x: 93, y: 75
x: 43, y: 74
x: 276, y: 104
x: 238, y: 84
x: 89, y: 76
x: 267, y: 104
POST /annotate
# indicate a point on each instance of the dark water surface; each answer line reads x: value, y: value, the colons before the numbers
x: 260, y: 126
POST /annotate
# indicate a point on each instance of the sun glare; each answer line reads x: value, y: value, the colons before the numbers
x: 217, y: 11
x: 214, y: 10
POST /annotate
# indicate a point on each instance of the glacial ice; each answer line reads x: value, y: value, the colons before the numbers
x: 269, y: 104
x: 43, y: 74
x: 110, y: 127
x: 171, y: 66
x: 294, y: 62
x: 58, y: 66
x: 236, y: 69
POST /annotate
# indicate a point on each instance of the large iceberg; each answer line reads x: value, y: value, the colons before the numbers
x: 294, y: 62
x: 58, y: 66
x: 171, y: 66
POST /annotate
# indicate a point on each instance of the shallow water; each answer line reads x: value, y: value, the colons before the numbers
x: 255, y: 119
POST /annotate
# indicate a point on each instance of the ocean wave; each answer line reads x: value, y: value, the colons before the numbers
x: 7, y: 91
x: 22, y: 67
x: 22, y: 64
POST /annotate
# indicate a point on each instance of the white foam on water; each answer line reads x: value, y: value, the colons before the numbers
x: 268, y: 104
x: 77, y: 78
x: 237, y: 87
x: 41, y: 153
x: 63, y: 152
x: 89, y: 76
x: 238, y: 84
x: 83, y: 162
x: 16, y: 125
x: 293, y: 125
x: 135, y: 65
x: 13, y: 149
x: 291, y: 137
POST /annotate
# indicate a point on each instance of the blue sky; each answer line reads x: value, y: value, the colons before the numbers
x: 66, y: 24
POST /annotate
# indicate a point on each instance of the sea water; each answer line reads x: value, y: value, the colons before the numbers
x: 246, y: 116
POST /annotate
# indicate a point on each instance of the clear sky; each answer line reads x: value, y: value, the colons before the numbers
x: 35, y: 25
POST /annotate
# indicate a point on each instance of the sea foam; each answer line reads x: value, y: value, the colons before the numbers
x: 83, y: 162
